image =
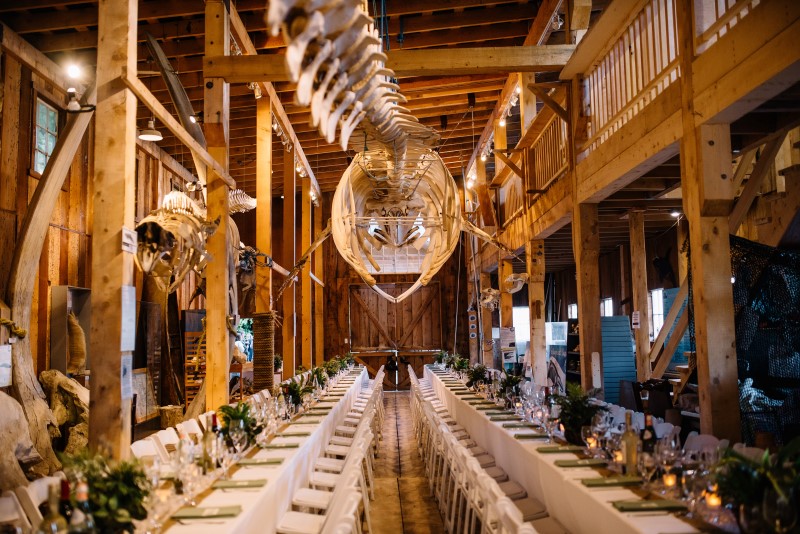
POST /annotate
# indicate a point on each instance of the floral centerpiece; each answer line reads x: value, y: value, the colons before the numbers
x: 476, y: 374
x: 577, y: 410
x: 116, y: 489
x: 240, y: 412
x: 509, y: 384
x: 460, y: 364
x: 319, y: 376
x: 294, y: 391
x: 749, y: 484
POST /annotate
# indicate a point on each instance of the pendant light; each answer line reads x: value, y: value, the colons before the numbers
x: 150, y: 133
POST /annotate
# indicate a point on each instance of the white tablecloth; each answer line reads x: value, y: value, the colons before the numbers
x: 263, y: 507
x: 578, y: 508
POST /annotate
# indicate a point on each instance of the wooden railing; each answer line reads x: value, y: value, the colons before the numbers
x: 511, y: 196
x: 549, y: 154
x: 636, y: 68
x: 713, y: 18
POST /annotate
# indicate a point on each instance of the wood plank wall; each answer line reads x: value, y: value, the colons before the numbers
x: 66, y: 252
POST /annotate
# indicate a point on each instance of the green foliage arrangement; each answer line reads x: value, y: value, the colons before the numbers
x: 300, y: 369
x: 461, y: 364
x: 742, y: 481
x: 510, y: 383
x: 439, y: 357
x: 331, y: 367
x: 277, y: 363
x: 349, y: 358
x: 319, y: 376
x: 449, y: 360
x: 576, y: 411
x: 294, y: 391
x: 116, y: 489
x: 475, y: 374
x: 240, y: 412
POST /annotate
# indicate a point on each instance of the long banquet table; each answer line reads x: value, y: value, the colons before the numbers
x: 578, y: 508
x: 263, y: 507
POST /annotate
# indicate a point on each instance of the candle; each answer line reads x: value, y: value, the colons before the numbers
x: 670, y: 480
x: 591, y: 442
x: 618, y: 457
x: 713, y: 500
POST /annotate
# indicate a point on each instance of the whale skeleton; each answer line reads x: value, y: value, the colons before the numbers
x: 396, y: 209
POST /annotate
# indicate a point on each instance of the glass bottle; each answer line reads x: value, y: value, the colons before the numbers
x: 648, y: 434
x: 65, y: 501
x: 53, y: 522
x: 630, y: 447
x: 82, y: 521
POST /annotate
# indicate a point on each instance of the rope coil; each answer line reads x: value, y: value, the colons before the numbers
x: 15, y: 330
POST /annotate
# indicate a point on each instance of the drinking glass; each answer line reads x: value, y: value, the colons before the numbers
x: 225, y: 456
x: 647, y: 467
x: 587, y: 435
x: 190, y: 476
x: 780, y: 509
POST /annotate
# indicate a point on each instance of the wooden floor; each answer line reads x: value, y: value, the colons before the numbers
x: 403, y: 503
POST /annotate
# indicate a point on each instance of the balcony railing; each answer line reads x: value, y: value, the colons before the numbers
x: 549, y: 154
x: 714, y: 18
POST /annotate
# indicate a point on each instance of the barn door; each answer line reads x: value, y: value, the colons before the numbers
x: 410, y: 329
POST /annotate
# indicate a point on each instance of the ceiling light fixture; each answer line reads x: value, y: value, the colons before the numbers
x: 150, y: 133
x: 74, y: 71
x: 73, y: 106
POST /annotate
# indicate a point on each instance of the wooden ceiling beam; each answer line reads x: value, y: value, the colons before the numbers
x: 437, y: 62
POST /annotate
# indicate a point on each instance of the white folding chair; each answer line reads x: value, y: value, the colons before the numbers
x: 699, y: 442
x: 191, y: 428
x: 34, y: 495
x: 12, y: 513
x: 145, y: 447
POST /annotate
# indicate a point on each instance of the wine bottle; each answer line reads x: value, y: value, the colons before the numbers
x: 208, y: 443
x: 53, y: 522
x: 82, y: 521
x: 648, y: 434
x: 630, y: 447
x: 65, y: 502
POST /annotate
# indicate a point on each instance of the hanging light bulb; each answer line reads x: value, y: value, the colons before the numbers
x: 502, y: 121
x: 483, y: 156
x: 73, y: 104
x: 150, y: 133
x: 518, y: 89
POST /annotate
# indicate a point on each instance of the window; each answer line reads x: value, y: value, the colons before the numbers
x: 606, y: 307
x: 46, y: 134
x: 572, y: 311
x: 656, y: 299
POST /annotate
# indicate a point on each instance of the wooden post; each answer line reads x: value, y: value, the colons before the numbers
x: 473, y: 299
x: 487, y: 357
x: 683, y: 256
x: 707, y: 183
x: 586, y: 247
x: 527, y: 100
x: 500, y: 144
x: 319, y: 293
x: 264, y: 201
x: 305, y: 275
x: 113, y: 209
x: 534, y: 258
x: 625, y: 306
x: 219, y: 340
x: 288, y: 328
x: 639, y: 286
x: 506, y: 300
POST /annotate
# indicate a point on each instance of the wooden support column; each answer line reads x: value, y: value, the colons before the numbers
x: 707, y: 183
x: 534, y: 258
x: 487, y: 357
x: 586, y: 247
x: 506, y: 301
x: 473, y: 300
x: 219, y: 280
x: 113, y: 203
x: 319, y: 292
x: 625, y: 305
x: 500, y: 144
x: 527, y: 100
x: 288, y: 328
x: 484, y: 198
x: 305, y: 275
x: 264, y: 201
x: 639, y: 285
x: 683, y: 255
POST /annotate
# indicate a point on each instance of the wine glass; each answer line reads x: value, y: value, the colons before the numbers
x: 225, y: 456
x: 587, y: 435
x: 190, y: 478
x: 647, y: 467
x: 239, y: 438
x: 779, y: 508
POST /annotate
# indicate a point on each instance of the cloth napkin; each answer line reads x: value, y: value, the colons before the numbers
x: 226, y: 484
x: 504, y: 418
x: 585, y: 462
x: 281, y: 446
x: 205, y: 512
x: 519, y: 425
x: 600, y: 482
x: 648, y: 506
x: 293, y: 434
x: 530, y: 436
x: 260, y: 461
x: 559, y: 448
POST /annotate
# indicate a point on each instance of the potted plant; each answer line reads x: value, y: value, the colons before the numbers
x: 116, y: 489
x: 745, y: 484
x: 509, y: 384
x: 241, y: 412
x: 277, y: 363
x: 295, y: 390
x: 331, y: 367
x: 576, y: 410
x: 476, y: 374
x: 460, y: 364
x: 319, y: 376
x: 439, y: 357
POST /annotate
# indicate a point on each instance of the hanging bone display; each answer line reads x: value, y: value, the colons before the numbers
x: 396, y: 209
x: 489, y: 298
x: 514, y: 282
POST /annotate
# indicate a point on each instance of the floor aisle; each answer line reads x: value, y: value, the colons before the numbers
x: 402, y: 499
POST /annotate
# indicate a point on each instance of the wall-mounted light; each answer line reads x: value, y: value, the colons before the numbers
x: 518, y: 89
x: 150, y: 133
x: 675, y: 213
x: 483, y: 156
x: 194, y: 186
x: 502, y: 121
x: 73, y: 106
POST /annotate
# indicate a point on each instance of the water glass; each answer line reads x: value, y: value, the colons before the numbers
x: 779, y: 508
x: 647, y: 467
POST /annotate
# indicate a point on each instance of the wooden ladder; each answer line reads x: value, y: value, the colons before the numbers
x: 685, y: 371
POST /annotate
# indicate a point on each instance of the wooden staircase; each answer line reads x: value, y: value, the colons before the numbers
x: 685, y: 372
